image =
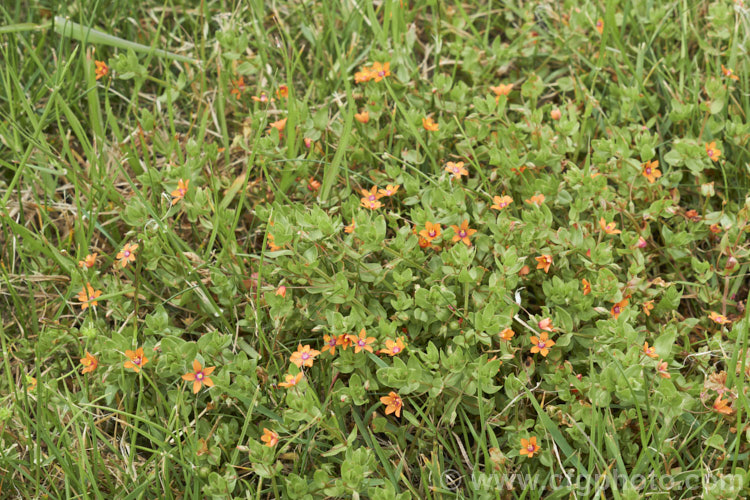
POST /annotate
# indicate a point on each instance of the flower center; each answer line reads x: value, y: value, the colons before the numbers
x: 617, y: 309
x: 396, y: 349
x: 381, y: 73
x: 455, y: 170
x: 710, y: 152
x: 137, y: 361
x: 432, y: 234
x: 305, y: 356
x: 92, y: 297
x: 361, y: 342
x: 332, y: 342
x: 530, y: 448
x: 648, y: 170
x: 199, y: 376
x: 397, y: 402
x: 462, y: 234
x: 126, y: 253
x: 372, y: 197
x: 541, y: 345
x: 181, y: 191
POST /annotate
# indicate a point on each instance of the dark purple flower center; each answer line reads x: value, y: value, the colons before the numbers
x: 396, y: 349
x: 126, y: 253
x: 462, y: 233
x: 541, y: 345
x: 305, y: 356
x: 361, y: 342
x: 199, y: 376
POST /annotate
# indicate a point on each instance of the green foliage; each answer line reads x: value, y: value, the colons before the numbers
x: 330, y: 297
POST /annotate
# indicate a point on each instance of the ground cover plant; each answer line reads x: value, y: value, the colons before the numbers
x: 382, y: 250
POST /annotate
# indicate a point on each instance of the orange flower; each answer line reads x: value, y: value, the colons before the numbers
x: 463, y: 233
x: 389, y: 190
x: 642, y: 243
x: 430, y: 125
x: 719, y: 318
x: 238, y: 87
x: 350, y: 228
x: 501, y: 202
x: 507, y: 334
x: 555, y: 114
x: 647, y: 307
x: 363, y: 76
x: 618, y: 307
x: 282, y: 91
x: 519, y: 171
x: 89, y: 363
x: 392, y: 348
x: 370, y: 198
x: 541, y: 344
x: 344, y: 341
x: 663, y: 370
x: 651, y: 171
x: 600, y: 26
x: 31, y: 381
x: 714, y: 228
x: 546, y: 325
x: 263, y: 97
x: 127, y: 254
x: 586, y: 286
x: 281, y: 291
x: 290, y: 380
x: 712, y: 151
x: 136, y: 359
x: 502, y: 89
x: 269, y: 437
x: 729, y: 73
x: 456, y: 169
x: 88, y: 262
x: 87, y: 297
x: 330, y: 344
x: 278, y: 125
x: 649, y: 351
x: 537, y: 200
x: 430, y: 231
x: 313, y: 185
x: 392, y: 404
x: 380, y: 71
x: 304, y: 356
x: 544, y: 262
x: 199, y: 376
x: 271, y: 246
x: 362, y: 117
x: 529, y: 447
x: 423, y: 243
x: 609, y: 228
x: 362, y: 343
x: 181, y: 191
x: 722, y: 406
x: 308, y: 142
x: 102, y: 69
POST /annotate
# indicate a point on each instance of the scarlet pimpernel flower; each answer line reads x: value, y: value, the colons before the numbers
x: 199, y: 376
x: 463, y: 233
x: 87, y: 297
x: 393, y: 403
x: 392, y: 348
x: 529, y: 447
x: 541, y: 344
x: 304, y: 356
x: 181, y: 191
x: 127, y: 254
x: 136, y: 359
